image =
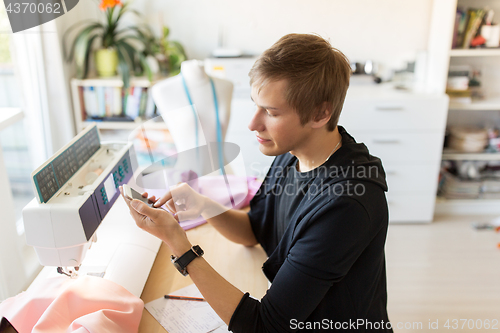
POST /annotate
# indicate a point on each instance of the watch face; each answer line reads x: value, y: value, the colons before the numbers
x: 197, y: 249
x: 184, y: 260
x: 183, y: 271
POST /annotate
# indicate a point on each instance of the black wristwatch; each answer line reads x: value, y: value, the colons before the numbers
x: 184, y: 260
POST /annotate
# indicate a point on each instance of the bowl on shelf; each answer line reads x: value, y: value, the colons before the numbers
x: 468, y: 139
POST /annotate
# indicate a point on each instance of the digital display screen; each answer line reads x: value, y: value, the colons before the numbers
x: 109, y: 187
x: 56, y: 173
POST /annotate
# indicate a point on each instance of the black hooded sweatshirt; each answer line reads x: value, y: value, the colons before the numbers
x: 328, y: 268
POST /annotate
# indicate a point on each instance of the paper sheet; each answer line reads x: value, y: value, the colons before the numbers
x: 181, y: 316
x: 220, y: 329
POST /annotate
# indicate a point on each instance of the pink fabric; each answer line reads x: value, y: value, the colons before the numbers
x: 83, y: 305
x: 253, y: 186
x: 243, y: 189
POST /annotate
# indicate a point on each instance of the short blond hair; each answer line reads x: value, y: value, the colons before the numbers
x: 316, y: 73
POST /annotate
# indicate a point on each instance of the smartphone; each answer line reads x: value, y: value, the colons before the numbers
x: 133, y: 194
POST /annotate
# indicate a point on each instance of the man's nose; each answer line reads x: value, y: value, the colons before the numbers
x: 256, y: 123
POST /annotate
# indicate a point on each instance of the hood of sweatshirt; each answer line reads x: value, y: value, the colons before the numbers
x: 351, y: 162
x: 354, y: 162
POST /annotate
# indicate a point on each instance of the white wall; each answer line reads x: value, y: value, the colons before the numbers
x: 388, y: 31
x: 85, y: 10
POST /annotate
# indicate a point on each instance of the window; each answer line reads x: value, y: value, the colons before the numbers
x: 13, y: 139
x: 18, y: 262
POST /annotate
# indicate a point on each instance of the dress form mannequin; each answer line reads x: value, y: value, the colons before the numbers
x: 173, y: 104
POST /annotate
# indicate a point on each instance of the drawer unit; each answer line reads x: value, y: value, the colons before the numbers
x: 407, y: 148
x: 398, y: 115
x: 404, y: 207
x: 404, y: 178
x: 406, y: 131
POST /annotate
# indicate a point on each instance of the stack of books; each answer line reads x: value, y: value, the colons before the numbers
x: 115, y: 103
x: 490, y: 189
x: 467, y: 25
x: 452, y: 187
x: 454, y: 184
x: 457, y: 86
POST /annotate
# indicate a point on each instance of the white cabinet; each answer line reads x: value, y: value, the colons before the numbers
x: 406, y: 131
x: 393, y: 110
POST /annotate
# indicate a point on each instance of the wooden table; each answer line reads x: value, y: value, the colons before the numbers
x: 238, y: 264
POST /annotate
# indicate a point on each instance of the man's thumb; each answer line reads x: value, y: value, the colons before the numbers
x: 142, y: 208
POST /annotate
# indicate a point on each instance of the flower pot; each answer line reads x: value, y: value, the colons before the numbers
x: 106, y: 62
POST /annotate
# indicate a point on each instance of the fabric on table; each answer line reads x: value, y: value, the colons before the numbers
x: 83, y: 305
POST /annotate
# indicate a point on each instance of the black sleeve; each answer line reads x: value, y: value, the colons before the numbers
x: 261, y: 214
x: 327, y: 248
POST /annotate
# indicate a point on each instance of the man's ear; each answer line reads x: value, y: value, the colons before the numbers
x: 322, y: 115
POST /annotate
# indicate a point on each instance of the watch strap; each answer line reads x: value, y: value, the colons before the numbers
x: 187, y: 257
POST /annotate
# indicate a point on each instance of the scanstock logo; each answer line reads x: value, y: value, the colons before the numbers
x: 25, y: 14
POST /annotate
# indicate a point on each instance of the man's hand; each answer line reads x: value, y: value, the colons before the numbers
x: 159, y: 223
x: 185, y: 202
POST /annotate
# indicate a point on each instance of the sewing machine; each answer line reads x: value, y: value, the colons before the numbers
x: 75, y: 189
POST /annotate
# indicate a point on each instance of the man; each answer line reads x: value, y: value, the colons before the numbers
x: 321, y: 213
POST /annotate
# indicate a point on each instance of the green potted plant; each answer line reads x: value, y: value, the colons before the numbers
x: 117, y: 49
x: 169, y: 54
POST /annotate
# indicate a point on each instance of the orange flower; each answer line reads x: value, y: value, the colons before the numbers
x: 109, y: 3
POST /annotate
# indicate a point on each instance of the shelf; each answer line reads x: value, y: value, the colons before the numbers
x: 490, y: 104
x: 475, y: 52
x: 466, y: 206
x: 449, y: 154
x: 442, y: 200
x: 115, y: 81
x: 124, y: 125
